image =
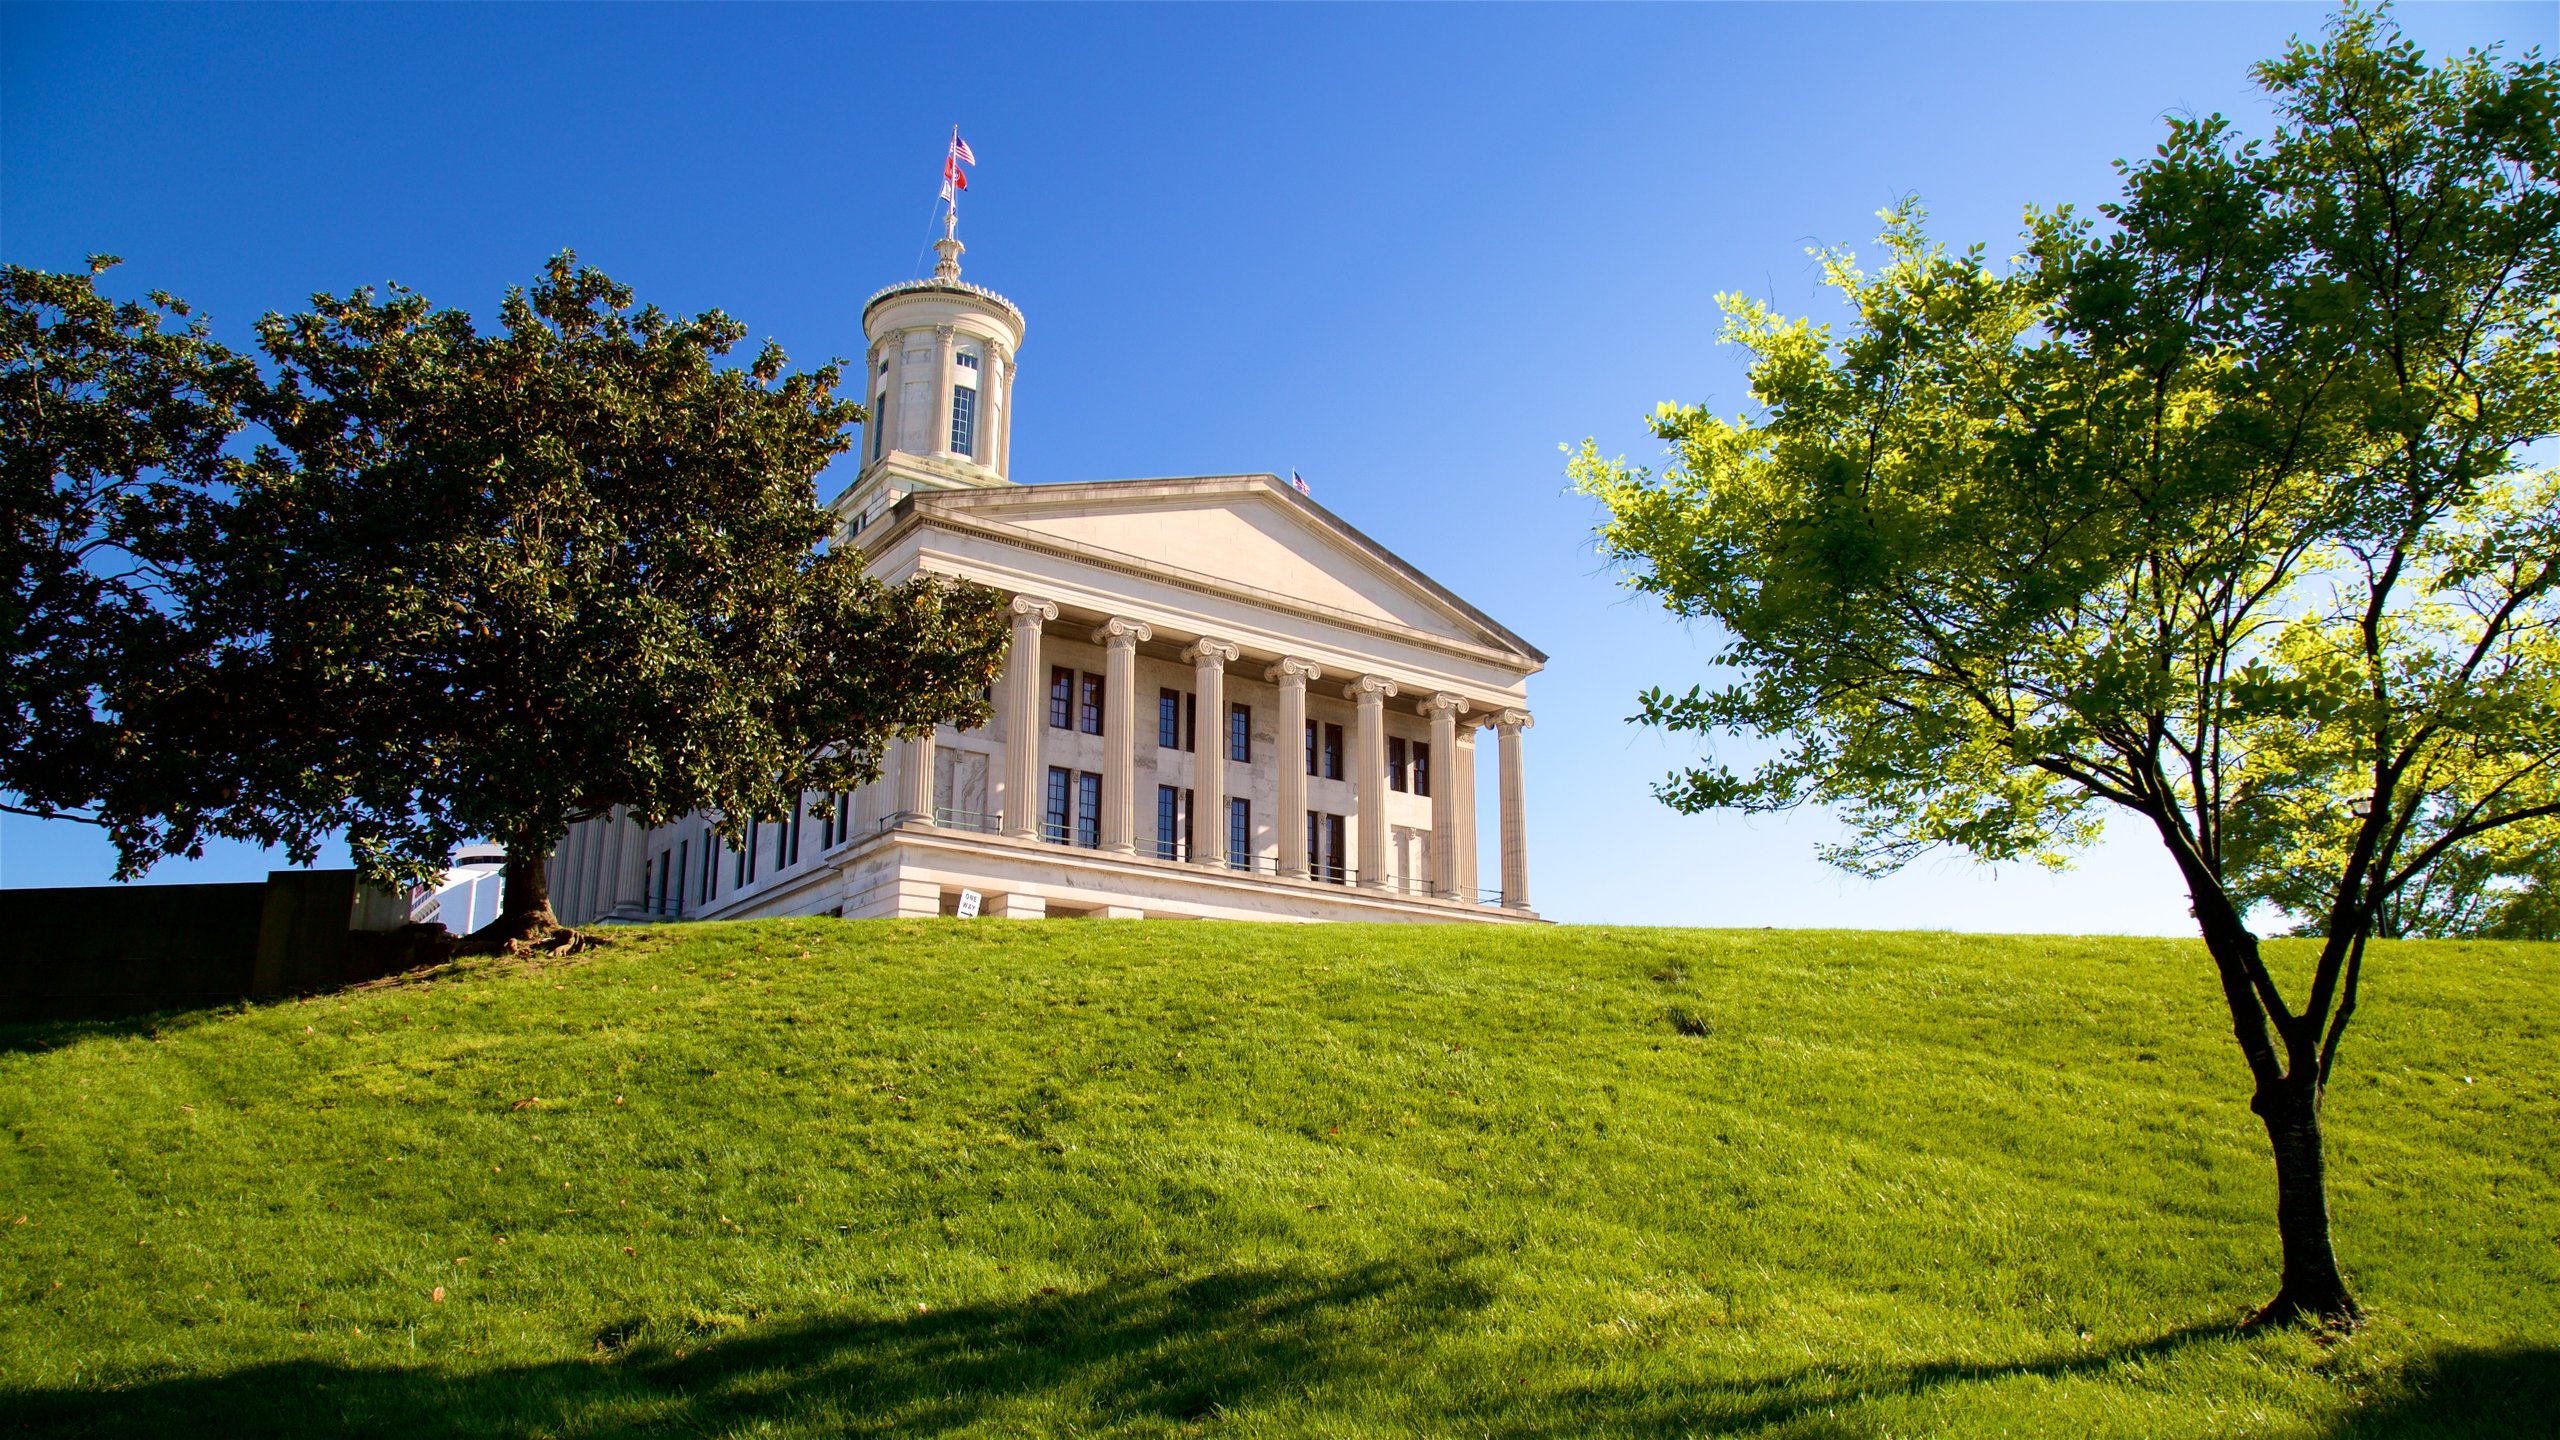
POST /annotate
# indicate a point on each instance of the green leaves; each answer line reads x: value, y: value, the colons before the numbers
x: 471, y: 585
x: 2209, y: 510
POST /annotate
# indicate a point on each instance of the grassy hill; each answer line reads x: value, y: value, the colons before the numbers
x: 1162, y: 1179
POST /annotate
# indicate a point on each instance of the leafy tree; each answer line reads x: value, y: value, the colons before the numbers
x: 470, y: 585
x: 494, y: 584
x: 2224, y: 517
x: 114, y: 418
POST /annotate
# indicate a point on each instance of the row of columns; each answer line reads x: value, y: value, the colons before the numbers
x: 601, y: 868
x: 1452, y: 793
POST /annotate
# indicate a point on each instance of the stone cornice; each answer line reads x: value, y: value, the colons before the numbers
x: 908, y: 515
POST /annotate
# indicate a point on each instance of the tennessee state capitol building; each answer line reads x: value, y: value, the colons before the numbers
x: 1221, y: 701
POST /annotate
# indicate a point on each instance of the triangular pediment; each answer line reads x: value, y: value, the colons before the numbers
x: 1247, y: 532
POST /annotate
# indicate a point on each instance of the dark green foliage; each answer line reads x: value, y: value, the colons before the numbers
x: 471, y: 585
x: 113, y: 422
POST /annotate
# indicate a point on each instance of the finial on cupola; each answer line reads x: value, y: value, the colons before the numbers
x: 954, y: 180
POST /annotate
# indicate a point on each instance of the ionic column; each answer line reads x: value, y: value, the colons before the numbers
x: 1515, y: 815
x: 1466, y: 802
x: 915, y: 778
x: 1024, y: 724
x: 631, y: 883
x: 1369, y: 774
x: 1209, y: 763
x: 1292, y: 677
x: 1443, y: 709
x: 595, y: 868
x: 1119, y: 639
x: 940, y: 419
x: 573, y: 872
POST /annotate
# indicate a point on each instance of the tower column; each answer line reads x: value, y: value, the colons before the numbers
x: 1000, y: 454
x: 1515, y: 815
x: 1292, y: 677
x: 1119, y: 639
x: 1209, y: 762
x: 1369, y: 783
x: 943, y: 381
x: 1443, y: 710
x: 1024, y: 725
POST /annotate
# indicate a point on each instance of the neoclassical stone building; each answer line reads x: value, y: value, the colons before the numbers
x: 1221, y: 700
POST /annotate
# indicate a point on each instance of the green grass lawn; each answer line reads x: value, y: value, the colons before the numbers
x: 1092, y: 1178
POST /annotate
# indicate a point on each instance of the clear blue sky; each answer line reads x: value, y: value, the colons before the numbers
x: 1407, y: 251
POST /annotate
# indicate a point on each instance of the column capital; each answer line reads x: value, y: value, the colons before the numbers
x: 1026, y: 606
x: 1510, y: 718
x: 944, y: 332
x: 1123, y: 634
x: 1206, y: 651
x: 1291, y: 670
x: 1369, y: 685
x: 1442, y: 702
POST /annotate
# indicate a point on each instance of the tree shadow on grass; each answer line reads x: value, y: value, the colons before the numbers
x: 1815, y: 1396
x: 2457, y: 1394
x: 1142, y: 1353
x: 2460, y: 1394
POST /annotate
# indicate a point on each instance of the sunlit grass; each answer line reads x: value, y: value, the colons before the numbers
x: 1130, y: 1178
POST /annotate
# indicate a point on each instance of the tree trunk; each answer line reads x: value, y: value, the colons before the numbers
x: 2312, y: 1289
x: 524, y: 910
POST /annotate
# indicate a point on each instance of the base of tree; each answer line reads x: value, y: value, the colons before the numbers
x: 2337, y: 1314
x: 532, y: 932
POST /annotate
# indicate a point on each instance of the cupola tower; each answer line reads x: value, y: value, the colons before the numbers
x: 939, y: 387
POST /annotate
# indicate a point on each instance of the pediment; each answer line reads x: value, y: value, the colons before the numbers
x: 1247, y: 532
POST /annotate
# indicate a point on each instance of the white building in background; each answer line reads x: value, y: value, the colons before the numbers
x: 1221, y: 701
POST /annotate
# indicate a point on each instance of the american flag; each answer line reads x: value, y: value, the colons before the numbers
x: 1296, y: 480
x: 960, y: 150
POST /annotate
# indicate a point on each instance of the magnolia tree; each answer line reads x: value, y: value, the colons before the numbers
x: 2222, y: 515
x: 488, y: 584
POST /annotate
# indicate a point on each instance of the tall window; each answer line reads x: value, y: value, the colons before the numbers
x: 880, y: 413
x: 1325, y: 848
x: 1062, y: 697
x: 1089, y: 711
x: 1168, y: 821
x: 710, y: 866
x: 1168, y: 719
x: 752, y: 854
x: 1421, y: 767
x: 657, y: 899
x: 1333, y: 752
x: 1240, y: 732
x: 1239, y: 833
x: 964, y: 419
x: 844, y: 815
x: 1311, y: 747
x: 1395, y: 762
x: 1058, y: 817
x: 799, y: 813
x: 1089, y: 810
x: 684, y: 866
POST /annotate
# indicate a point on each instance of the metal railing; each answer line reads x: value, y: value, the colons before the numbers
x: 980, y: 822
